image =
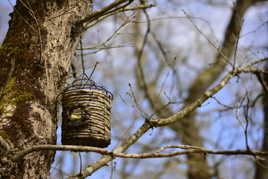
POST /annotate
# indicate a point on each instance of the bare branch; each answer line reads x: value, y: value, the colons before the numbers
x: 121, y: 148
x: 191, y: 107
x: 156, y: 154
x: 118, y: 151
x: 102, y: 11
x: 114, y: 34
x: 110, y: 13
x: 111, y: 9
x: 206, y: 77
x: 115, y: 7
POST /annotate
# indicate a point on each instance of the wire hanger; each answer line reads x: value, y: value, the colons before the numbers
x: 85, y: 80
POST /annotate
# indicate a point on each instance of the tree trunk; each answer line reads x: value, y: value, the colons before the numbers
x: 34, y: 61
x: 262, y: 166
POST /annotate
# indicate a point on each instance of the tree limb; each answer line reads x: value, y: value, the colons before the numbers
x: 155, y: 154
x: 165, y: 121
x: 115, y: 5
x: 118, y: 151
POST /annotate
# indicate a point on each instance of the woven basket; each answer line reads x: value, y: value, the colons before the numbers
x: 86, y: 115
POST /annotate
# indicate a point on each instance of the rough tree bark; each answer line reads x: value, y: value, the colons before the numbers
x: 34, y: 60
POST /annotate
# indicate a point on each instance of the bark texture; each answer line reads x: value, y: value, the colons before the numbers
x: 34, y: 60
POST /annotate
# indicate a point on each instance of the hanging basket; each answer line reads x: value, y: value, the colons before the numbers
x: 86, y: 114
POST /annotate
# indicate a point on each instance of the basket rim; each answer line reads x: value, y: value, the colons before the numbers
x: 88, y: 88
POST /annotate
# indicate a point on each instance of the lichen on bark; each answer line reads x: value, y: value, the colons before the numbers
x: 34, y: 60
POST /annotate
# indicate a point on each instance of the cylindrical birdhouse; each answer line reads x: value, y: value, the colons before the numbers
x: 86, y: 114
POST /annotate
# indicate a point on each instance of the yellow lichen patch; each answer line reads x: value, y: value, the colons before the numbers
x: 10, y: 96
x: 6, y: 97
x: 4, y: 135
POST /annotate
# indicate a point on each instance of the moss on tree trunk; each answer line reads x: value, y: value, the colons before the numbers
x: 36, y: 56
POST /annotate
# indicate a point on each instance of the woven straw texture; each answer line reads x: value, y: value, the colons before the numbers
x: 86, y: 116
